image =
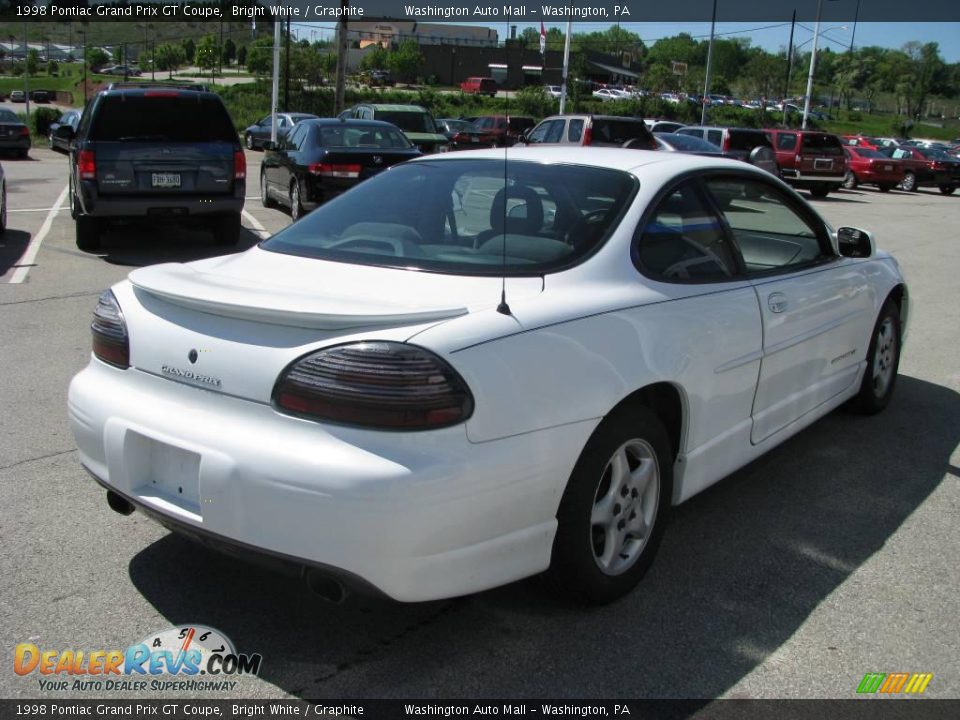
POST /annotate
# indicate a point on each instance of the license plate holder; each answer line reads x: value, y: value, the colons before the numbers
x: 167, y: 472
x: 165, y: 180
x: 823, y: 164
x: 888, y: 168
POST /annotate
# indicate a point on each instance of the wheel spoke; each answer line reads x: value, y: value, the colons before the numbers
x: 602, y: 514
x: 643, y: 474
x: 619, y: 472
x: 611, y: 546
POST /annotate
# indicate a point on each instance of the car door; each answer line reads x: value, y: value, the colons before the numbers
x: 291, y: 161
x: 707, y: 337
x: 816, y: 306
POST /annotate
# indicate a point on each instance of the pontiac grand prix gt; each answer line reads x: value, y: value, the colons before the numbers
x: 474, y: 367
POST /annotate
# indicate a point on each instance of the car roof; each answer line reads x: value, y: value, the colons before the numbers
x: 352, y: 122
x: 614, y: 158
x: 396, y: 107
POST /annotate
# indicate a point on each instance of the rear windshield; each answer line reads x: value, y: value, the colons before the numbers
x: 689, y: 143
x: 185, y: 117
x: 471, y: 217
x: 935, y: 154
x: 346, y: 135
x: 617, y: 132
x: 867, y: 153
x: 822, y: 143
x: 416, y: 122
x: 8, y: 116
x: 748, y: 139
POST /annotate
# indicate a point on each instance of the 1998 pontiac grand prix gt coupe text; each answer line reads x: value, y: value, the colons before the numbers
x: 469, y: 369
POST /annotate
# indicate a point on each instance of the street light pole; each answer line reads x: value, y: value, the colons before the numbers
x: 813, y: 64
x: 786, y: 87
x: 566, y: 67
x: 706, y: 81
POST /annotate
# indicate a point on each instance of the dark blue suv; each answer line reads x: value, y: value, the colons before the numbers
x: 155, y: 153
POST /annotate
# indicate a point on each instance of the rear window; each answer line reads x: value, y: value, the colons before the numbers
x: 867, y: 153
x: 471, y: 217
x: 617, y: 132
x: 822, y: 143
x: 185, y: 117
x: 351, y: 136
x: 8, y: 116
x: 416, y: 122
x: 747, y: 139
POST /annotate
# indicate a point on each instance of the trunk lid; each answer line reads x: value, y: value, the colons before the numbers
x: 141, y: 166
x: 246, y: 317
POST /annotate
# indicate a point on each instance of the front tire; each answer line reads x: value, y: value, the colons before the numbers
x: 820, y: 191
x: 265, y: 198
x: 614, y: 509
x: 296, y: 206
x: 250, y: 142
x: 883, y: 360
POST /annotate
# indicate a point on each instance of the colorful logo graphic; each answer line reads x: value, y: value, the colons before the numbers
x: 893, y: 683
x: 179, y: 651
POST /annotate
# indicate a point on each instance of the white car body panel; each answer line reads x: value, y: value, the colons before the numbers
x: 425, y: 515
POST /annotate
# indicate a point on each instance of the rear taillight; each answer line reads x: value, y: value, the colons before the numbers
x: 726, y: 143
x: 24, y: 130
x: 334, y: 170
x: 588, y: 136
x: 110, y: 341
x: 87, y: 165
x: 386, y: 385
x: 239, y: 165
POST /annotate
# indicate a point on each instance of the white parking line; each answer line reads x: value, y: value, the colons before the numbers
x: 16, y: 210
x: 26, y: 262
x: 257, y: 225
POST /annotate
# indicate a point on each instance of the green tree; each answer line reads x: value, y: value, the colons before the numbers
x: 169, y: 57
x: 927, y: 72
x: 680, y: 48
x: 96, y: 58
x: 229, y: 51
x: 259, y: 56
x: 659, y: 78
x: 242, y: 56
x: 207, y: 52
x: 32, y: 62
x: 189, y: 49
x: 405, y: 62
x: 375, y: 58
x: 53, y: 67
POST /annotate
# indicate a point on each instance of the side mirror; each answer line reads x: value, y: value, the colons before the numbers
x: 855, y: 243
x: 64, y: 132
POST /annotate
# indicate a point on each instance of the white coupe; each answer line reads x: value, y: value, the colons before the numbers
x: 471, y: 368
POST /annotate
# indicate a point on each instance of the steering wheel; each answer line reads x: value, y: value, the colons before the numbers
x: 582, y: 226
x: 401, y: 247
x: 680, y: 269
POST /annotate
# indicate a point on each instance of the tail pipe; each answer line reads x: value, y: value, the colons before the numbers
x: 119, y: 503
x: 328, y: 588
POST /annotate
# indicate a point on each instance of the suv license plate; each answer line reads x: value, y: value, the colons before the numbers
x: 166, y: 180
x: 822, y: 164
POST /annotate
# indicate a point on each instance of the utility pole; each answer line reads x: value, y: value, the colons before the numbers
x: 566, y: 67
x: 813, y: 64
x: 286, y: 79
x: 706, y: 81
x: 341, y: 59
x: 26, y: 75
x: 275, y: 91
x: 786, y: 86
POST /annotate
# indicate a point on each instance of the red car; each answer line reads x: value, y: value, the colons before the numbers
x: 869, y: 167
x: 861, y: 142
x: 926, y: 167
x: 493, y: 131
x: 479, y: 86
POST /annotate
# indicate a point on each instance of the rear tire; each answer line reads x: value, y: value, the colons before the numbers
x: 250, y: 143
x: 849, y: 180
x: 820, y: 191
x: 296, y: 207
x: 88, y: 233
x: 3, y: 208
x: 227, y: 231
x: 909, y: 182
x: 947, y: 189
x: 614, y: 509
x: 883, y: 360
x: 265, y: 199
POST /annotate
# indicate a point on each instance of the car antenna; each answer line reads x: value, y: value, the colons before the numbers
x: 503, y: 308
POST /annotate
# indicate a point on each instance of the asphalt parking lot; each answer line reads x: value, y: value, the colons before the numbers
x: 833, y: 556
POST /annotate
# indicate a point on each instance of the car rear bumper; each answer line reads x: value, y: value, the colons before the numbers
x: 18, y: 143
x: 418, y: 516
x: 791, y: 175
x: 173, y: 206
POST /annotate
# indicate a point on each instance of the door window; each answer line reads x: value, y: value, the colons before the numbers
x: 550, y: 131
x: 770, y: 233
x: 684, y: 240
x: 575, y: 131
x: 715, y: 136
x: 786, y: 141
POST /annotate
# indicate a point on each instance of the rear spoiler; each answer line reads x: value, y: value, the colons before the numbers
x: 156, y: 85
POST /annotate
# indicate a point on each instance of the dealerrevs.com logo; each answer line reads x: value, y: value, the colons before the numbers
x: 172, y: 659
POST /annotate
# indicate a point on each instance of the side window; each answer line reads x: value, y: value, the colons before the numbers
x: 786, y: 141
x: 770, y: 234
x: 547, y: 132
x: 295, y: 139
x: 715, y: 136
x: 575, y: 130
x: 684, y: 240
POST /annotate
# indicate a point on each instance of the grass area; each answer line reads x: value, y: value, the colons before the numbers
x: 888, y: 125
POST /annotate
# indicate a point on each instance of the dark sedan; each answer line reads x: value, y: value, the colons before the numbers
x: 256, y: 135
x: 762, y: 157
x: 14, y: 134
x: 925, y: 167
x: 71, y: 118
x: 322, y: 158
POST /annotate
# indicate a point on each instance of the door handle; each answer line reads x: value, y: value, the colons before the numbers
x: 777, y: 302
